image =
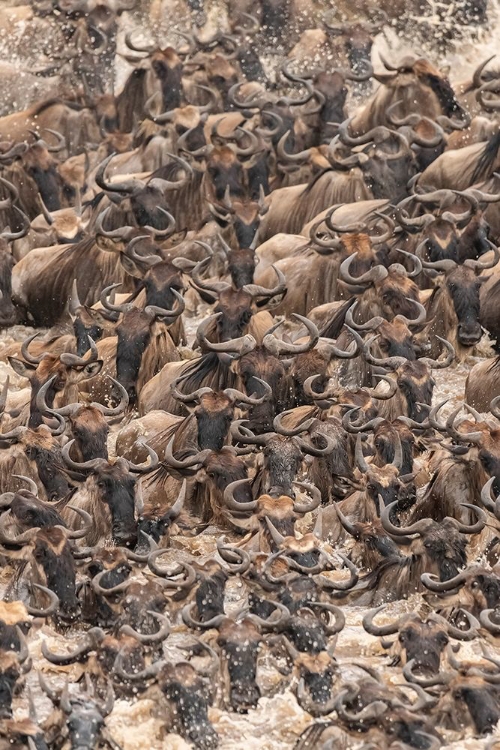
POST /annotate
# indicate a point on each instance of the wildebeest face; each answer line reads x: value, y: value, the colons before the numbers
x: 134, y: 333
x: 30, y: 512
x: 397, y: 293
x: 38, y: 375
x: 388, y: 179
x: 167, y: 67
x: 385, y: 445
x: 396, y: 340
x: 463, y: 287
x: 84, y: 723
x: 383, y: 483
x: 210, y: 593
x: 7, y: 262
x: 223, y: 467
x: 159, y: 282
x: 55, y: 567
x: 442, y: 242
x: 13, y: 615
x: 444, y: 546
x: 358, y: 43
x: 214, y: 415
x: 115, y: 487
x: 90, y: 430
x: 317, y: 671
x: 261, y: 364
x: 44, y: 450
x: 240, y: 645
x: 236, y: 309
x: 483, y: 702
x: 139, y: 600
x: 41, y: 167
x: 87, y: 322
x: 184, y: 689
x: 423, y: 642
x: 280, y: 512
x: 416, y: 384
x: 241, y: 266
x: 332, y: 86
x: 225, y: 171
x: 283, y: 458
x: 221, y: 75
x: 9, y: 674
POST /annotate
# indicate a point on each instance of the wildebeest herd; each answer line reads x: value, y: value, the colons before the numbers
x: 219, y: 446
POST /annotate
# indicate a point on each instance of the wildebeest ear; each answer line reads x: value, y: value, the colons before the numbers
x: 93, y: 369
x: 130, y: 266
x: 24, y: 369
x: 445, y: 70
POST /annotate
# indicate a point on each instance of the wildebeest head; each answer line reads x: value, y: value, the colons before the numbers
x: 7, y: 262
x: 385, y: 443
x: 226, y: 173
x: 138, y: 602
x: 167, y: 67
x: 89, y: 428
x: 263, y: 366
x: 114, y: 487
x: 42, y: 168
x: 10, y: 672
x: 441, y: 546
x: 134, y: 333
x: 422, y: 88
x: 185, y: 691
x: 43, y: 451
x: 68, y: 369
x: 221, y: 75
x: 462, y: 286
x: 87, y: 323
x: 422, y: 642
x: 482, y: 700
x: 414, y: 379
x: 316, y: 673
x: 385, y: 484
x: 332, y: 87
x: 14, y: 621
x: 110, y: 491
x: 240, y: 642
x: 54, y: 567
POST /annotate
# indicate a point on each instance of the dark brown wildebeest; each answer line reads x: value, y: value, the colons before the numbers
x: 419, y: 87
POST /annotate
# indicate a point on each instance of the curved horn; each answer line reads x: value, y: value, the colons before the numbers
x: 260, y: 291
x: 162, y: 633
x: 285, y: 157
x: 30, y: 358
x: 279, y: 348
x: 376, y: 273
x: 48, y: 611
x: 461, y: 437
x: 233, y: 504
x: 400, y: 531
x: 442, y: 363
x: 430, y: 582
x: 128, y: 186
x: 313, y: 503
x: 379, y: 630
